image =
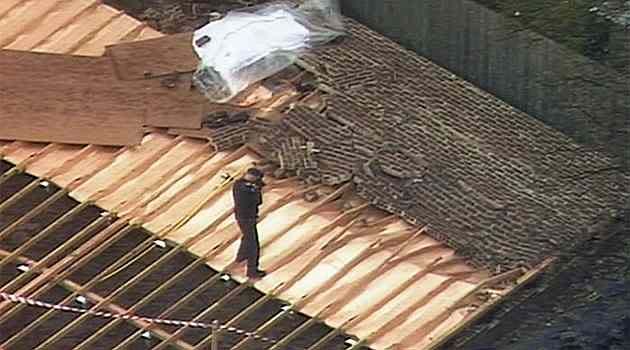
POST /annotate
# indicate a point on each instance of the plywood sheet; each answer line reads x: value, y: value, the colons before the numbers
x: 203, y: 133
x: 154, y: 57
x: 54, y: 98
x: 172, y: 102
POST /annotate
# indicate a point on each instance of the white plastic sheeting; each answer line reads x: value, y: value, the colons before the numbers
x: 247, y: 46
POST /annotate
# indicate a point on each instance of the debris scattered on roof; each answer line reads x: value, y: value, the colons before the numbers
x: 414, y: 139
x: 496, y: 184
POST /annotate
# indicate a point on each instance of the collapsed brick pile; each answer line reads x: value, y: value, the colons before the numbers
x: 492, y: 182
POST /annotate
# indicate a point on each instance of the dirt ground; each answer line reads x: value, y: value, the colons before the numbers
x: 581, y: 302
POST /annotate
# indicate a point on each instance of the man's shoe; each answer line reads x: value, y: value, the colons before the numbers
x: 256, y: 274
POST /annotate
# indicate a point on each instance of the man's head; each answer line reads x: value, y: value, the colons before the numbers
x: 253, y: 175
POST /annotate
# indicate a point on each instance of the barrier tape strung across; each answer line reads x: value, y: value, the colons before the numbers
x: 32, y: 302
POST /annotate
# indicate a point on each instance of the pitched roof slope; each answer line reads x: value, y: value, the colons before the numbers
x: 310, y: 247
x: 491, y: 181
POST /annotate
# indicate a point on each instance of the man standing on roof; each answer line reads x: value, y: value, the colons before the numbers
x: 247, y: 193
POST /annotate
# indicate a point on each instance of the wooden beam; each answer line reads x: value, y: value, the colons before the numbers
x: 87, y: 343
x: 19, y: 195
x: 484, y: 309
x: 70, y: 263
x: 284, y: 342
x: 264, y: 327
x: 106, y: 300
x: 81, y: 180
x: 374, y: 228
x: 426, y: 328
x: 218, y: 304
x: 7, y: 175
x: 419, y: 252
x: 329, y: 336
x: 163, y: 185
x: 348, y: 292
x: 219, y: 189
x: 358, y: 318
x: 32, y: 213
x: 44, y: 151
x: 136, y: 278
x: 435, y: 265
x: 324, y: 286
x: 135, y: 169
x: 145, y: 272
x: 75, y: 290
x: 170, y: 310
x: 88, y: 230
x: 195, y: 184
x: 216, y: 336
x: 304, y: 246
x: 153, y: 294
x: 241, y: 315
x: 219, y: 247
x: 120, y: 310
x: 70, y: 163
x: 302, y: 218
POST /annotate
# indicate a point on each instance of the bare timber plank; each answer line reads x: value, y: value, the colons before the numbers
x: 154, y: 57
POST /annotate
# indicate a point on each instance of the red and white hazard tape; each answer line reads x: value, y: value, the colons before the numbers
x: 32, y: 302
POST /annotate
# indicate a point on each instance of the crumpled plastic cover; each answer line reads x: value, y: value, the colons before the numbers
x: 249, y: 45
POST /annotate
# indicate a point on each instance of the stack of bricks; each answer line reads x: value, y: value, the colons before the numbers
x: 228, y: 129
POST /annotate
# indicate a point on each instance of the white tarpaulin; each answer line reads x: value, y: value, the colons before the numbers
x: 246, y: 47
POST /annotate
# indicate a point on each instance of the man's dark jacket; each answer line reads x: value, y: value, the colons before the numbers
x: 247, y: 198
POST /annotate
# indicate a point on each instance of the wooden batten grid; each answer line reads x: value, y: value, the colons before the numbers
x: 128, y: 257
x: 169, y: 311
x: 66, y: 266
x: 75, y: 291
x: 69, y: 215
x: 149, y: 269
x: 352, y: 218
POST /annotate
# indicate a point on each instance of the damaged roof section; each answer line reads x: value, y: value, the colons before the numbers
x: 321, y: 250
x: 416, y: 140
x: 492, y: 182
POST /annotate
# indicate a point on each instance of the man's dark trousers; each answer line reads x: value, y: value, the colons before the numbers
x: 250, y: 247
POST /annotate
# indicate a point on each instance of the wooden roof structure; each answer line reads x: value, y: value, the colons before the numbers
x: 330, y: 255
